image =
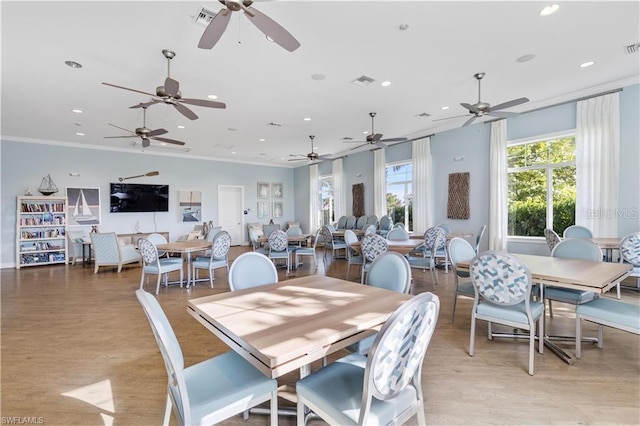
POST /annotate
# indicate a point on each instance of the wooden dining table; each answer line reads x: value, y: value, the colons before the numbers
x: 186, y: 248
x: 598, y: 277
x: 399, y: 246
x: 286, y: 326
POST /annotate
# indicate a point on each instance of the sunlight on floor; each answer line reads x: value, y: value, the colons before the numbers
x: 99, y: 395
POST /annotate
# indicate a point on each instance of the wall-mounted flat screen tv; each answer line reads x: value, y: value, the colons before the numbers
x: 138, y: 197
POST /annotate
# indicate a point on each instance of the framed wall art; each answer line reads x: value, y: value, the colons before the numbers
x: 277, y: 209
x: 190, y: 206
x: 263, y: 209
x: 276, y: 190
x: 264, y: 190
x: 83, y: 206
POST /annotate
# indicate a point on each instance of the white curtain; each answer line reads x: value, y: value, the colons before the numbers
x: 498, y: 186
x: 422, y: 181
x: 314, y: 210
x: 339, y: 196
x: 379, y: 183
x: 597, y: 164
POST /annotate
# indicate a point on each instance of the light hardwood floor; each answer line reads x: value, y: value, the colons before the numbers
x: 78, y: 350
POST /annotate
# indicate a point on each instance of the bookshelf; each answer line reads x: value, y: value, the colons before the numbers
x: 41, y: 231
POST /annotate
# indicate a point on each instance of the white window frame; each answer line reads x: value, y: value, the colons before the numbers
x: 331, y: 200
x: 410, y: 181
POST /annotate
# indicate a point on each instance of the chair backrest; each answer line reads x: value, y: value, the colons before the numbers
x: 213, y: 232
x: 392, y: 271
x: 220, y: 246
x: 577, y: 231
x: 351, y: 222
x: 398, y: 234
x: 446, y: 227
x: 105, y: 247
x: 369, y: 229
x: 268, y: 229
x: 577, y: 248
x: 171, y: 353
x: 398, y: 225
x: 251, y: 269
x: 386, y: 223
x: 372, y: 220
x: 278, y: 241
x: 459, y: 250
x: 434, y: 239
x: 317, y: 238
x: 361, y: 223
x: 350, y: 237
x: 148, y: 251
x: 294, y: 231
x: 479, y: 237
x: 75, y: 239
x: 397, y: 354
x: 157, y: 239
x: 373, y: 245
x: 552, y: 238
x: 630, y: 249
x: 342, y: 221
x: 500, y: 278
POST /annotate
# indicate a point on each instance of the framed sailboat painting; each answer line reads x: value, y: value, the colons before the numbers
x: 83, y: 206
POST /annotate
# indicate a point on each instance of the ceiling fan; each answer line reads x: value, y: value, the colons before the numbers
x: 375, y: 138
x: 145, y: 134
x: 170, y: 93
x: 268, y: 26
x: 312, y: 156
x: 480, y: 109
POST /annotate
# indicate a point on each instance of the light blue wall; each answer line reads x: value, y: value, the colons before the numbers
x: 472, y: 143
x: 24, y: 164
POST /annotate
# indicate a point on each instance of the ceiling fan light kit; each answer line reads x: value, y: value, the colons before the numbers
x: 144, y: 133
x: 374, y: 138
x: 312, y: 156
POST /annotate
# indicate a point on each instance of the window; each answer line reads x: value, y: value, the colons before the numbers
x: 541, y: 186
x: 326, y: 200
x: 399, y: 178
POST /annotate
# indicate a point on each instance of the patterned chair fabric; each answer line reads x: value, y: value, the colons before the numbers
x: 503, y: 283
x: 219, y: 257
x: 361, y: 223
x: 369, y: 229
x: 199, y: 394
x: 460, y: 250
x: 373, y: 245
x: 577, y: 231
x: 385, y: 387
x: 552, y: 238
x: 154, y: 265
x: 107, y: 251
x: 279, y: 246
x: 630, y: 252
x: 331, y: 243
x: 434, y: 237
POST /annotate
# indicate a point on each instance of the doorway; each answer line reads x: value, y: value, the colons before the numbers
x: 230, y: 209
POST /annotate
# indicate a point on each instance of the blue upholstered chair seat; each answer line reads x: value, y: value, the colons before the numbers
x: 612, y: 311
x: 221, y: 382
x: 420, y: 262
x: 339, y: 387
x: 466, y: 289
x: 567, y: 295
x: 514, y: 313
x: 203, y: 263
x: 166, y: 264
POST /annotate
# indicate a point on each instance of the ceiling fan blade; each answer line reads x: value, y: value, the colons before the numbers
x: 509, y: 104
x: 157, y: 132
x: 449, y: 118
x: 354, y: 142
x: 470, y: 107
x: 115, y: 137
x: 171, y: 86
x: 360, y: 146
x: 121, y: 128
x: 376, y: 138
x: 145, y: 142
x: 185, y: 111
x: 393, y: 140
x: 167, y: 140
x: 502, y: 114
x: 272, y: 29
x: 298, y: 159
x: 146, y: 104
x: 469, y: 121
x: 215, y: 29
x: 204, y: 103
x: 132, y: 90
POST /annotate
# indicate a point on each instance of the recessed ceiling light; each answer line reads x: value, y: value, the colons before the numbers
x: 180, y: 127
x: 526, y: 58
x: 79, y: 133
x: 73, y: 64
x: 315, y: 148
x: 403, y: 27
x: 307, y: 119
x: 163, y: 143
x: 233, y: 152
x: 366, y: 132
x: 587, y: 64
x: 385, y: 83
x: 261, y: 140
x: 232, y: 129
x: 212, y: 97
x: 549, y: 10
x: 318, y: 77
x: 77, y: 111
x: 444, y: 108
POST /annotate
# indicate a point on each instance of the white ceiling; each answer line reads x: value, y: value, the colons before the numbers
x: 430, y: 65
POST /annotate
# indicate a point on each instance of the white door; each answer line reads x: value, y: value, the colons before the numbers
x: 230, y: 208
